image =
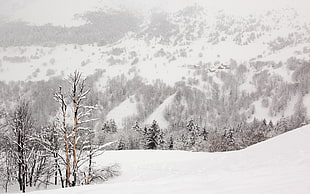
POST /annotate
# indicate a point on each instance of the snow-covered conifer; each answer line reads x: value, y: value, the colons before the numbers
x: 153, y: 136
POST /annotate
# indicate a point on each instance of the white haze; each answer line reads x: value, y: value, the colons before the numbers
x: 61, y: 12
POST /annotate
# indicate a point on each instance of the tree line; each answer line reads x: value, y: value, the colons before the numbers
x: 60, y: 153
x: 192, y: 137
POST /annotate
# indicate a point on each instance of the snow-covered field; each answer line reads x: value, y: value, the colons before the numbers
x: 279, y: 165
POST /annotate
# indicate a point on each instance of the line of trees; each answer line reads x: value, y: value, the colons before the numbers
x: 61, y: 153
x: 193, y: 137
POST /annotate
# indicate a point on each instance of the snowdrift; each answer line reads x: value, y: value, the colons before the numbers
x: 279, y: 165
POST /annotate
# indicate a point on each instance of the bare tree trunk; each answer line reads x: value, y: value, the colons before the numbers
x: 8, y: 171
x: 23, y: 167
x: 23, y: 178
x: 39, y: 170
x: 32, y: 172
x: 47, y: 179
x: 68, y: 183
x: 19, y: 161
x: 56, y: 167
x: 61, y: 99
x: 60, y: 175
x: 26, y: 174
x: 76, y: 98
x: 74, y: 137
x: 89, y: 166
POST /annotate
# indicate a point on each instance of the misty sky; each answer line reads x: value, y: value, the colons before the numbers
x: 62, y: 11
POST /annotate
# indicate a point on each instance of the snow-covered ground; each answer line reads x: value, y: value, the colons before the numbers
x: 279, y: 165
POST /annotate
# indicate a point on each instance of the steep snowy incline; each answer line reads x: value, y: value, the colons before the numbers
x: 126, y: 109
x: 279, y: 165
x: 158, y: 114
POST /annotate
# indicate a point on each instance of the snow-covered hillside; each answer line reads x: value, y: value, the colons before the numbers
x: 155, y: 43
x: 240, y: 55
x: 159, y: 112
x: 124, y: 110
x: 278, y: 165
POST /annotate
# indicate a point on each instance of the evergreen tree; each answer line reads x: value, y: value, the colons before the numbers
x: 204, y: 134
x: 153, y: 136
x: 282, y: 125
x: 171, y: 143
x: 270, y: 124
x: 137, y: 127
x: 137, y: 137
x: 105, y: 127
x: 110, y: 126
x: 228, y: 140
x: 113, y: 126
x: 264, y: 122
x: 263, y: 128
x: 193, y: 134
x: 121, y: 144
x: 270, y: 130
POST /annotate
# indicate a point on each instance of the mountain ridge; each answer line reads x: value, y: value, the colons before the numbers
x: 245, y: 63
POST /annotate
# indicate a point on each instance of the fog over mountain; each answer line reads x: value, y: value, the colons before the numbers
x: 62, y: 12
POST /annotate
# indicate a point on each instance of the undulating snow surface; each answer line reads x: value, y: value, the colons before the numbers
x: 279, y: 165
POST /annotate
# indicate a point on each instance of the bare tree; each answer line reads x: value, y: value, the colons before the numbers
x: 54, y: 146
x: 6, y: 168
x: 81, y: 113
x: 21, y: 125
x: 50, y: 142
x: 81, y: 116
x: 60, y: 98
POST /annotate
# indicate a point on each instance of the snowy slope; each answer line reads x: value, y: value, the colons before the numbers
x: 158, y: 114
x: 128, y: 108
x: 262, y: 112
x: 279, y: 165
x: 168, y: 62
